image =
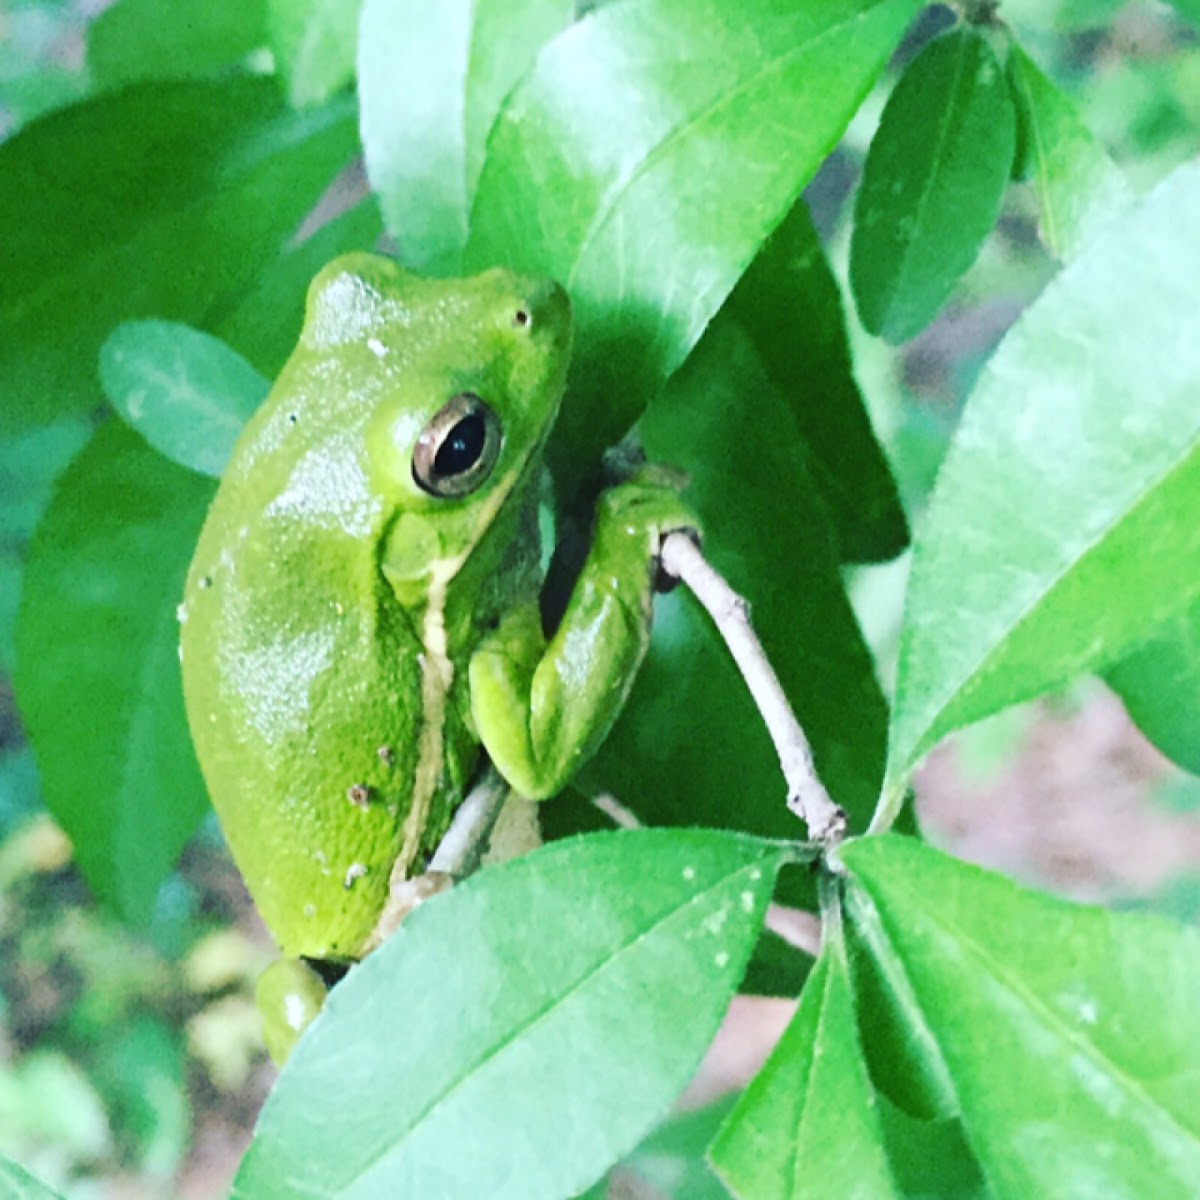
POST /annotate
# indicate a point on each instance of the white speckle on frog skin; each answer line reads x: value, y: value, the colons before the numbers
x: 756, y: 874
x: 376, y: 347
x: 689, y: 873
x: 722, y: 960
x: 353, y: 873
x: 310, y: 910
x: 274, y: 707
x: 747, y: 899
x: 327, y: 489
x: 294, y: 1012
x: 181, y: 613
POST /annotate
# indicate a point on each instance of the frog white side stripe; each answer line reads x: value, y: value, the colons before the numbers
x: 437, y: 676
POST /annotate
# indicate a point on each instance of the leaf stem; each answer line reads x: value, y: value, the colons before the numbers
x: 807, y: 797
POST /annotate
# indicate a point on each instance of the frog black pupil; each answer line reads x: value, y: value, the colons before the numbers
x: 462, y: 446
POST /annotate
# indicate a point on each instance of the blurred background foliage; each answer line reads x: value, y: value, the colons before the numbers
x: 130, y: 1064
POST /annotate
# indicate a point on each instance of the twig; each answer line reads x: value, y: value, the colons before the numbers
x: 459, y: 852
x: 801, y: 930
x: 807, y: 796
x: 621, y: 816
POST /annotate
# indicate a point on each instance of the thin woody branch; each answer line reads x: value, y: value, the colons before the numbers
x: 807, y: 796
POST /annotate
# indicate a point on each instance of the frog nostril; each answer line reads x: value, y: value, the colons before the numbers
x: 546, y: 307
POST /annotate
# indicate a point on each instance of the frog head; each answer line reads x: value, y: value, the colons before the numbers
x: 466, y: 377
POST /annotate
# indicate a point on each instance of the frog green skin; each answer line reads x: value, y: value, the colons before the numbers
x: 360, y: 621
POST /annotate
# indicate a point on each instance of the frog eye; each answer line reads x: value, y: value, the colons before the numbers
x: 458, y: 448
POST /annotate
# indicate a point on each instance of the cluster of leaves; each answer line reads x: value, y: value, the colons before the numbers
x: 650, y: 155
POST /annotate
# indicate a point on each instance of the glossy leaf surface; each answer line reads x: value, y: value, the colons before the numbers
x: 1079, y: 187
x: 98, y: 667
x: 808, y: 1125
x: 165, y: 198
x: 186, y: 392
x: 919, y: 1113
x: 544, y: 998
x: 1077, y: 463
x: 733, y: 105
x: 789, y: 305
x: 932, y: 183
x: 1086, y: 1084
x: 431, y: 80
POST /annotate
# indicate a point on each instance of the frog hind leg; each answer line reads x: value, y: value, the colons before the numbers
x: 289, y: 994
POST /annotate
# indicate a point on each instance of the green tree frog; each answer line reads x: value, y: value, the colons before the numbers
x: 361, y: 622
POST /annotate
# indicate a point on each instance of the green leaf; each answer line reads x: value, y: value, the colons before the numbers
x: 97, y: 663
x: 141, y: 1066
x: 36, y: 76
x: 17, y: 1184
x: 932, y: 183
x: 314, y: 43
x: 776, y: 968
x: 723, y: 422
x: 29, y: 464
x: 136, y: 40
x: 542, y: 1001
x: 1159, y: 684
x: 186, y: 392
x: 1063, y: 528
x: 1188, y: 9
x: 732, y: 105
x: 1085, y: 1083
x: 789, y: 305
x: 38, y: 91
x: 20, y: 791
x: 154, y: 201
x: 918, y: 1109
x: 1079, y: 187
x: 431, y: 80
x: 808, y: 1126
x: 671, y: 1160
x: 264, y: 322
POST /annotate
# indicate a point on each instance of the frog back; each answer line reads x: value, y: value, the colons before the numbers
x: 330, y: 740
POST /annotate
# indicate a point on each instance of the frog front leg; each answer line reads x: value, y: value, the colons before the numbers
x: 542, y: 709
